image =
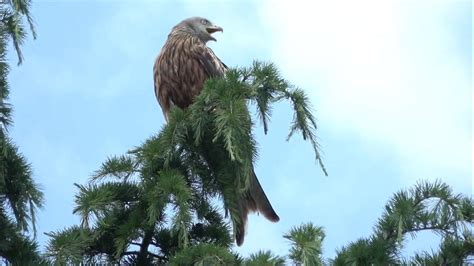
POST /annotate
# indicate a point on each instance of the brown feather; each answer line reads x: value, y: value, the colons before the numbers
x: 180, y: 70
x: 254, y: 200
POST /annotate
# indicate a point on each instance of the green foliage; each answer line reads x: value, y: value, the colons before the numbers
x: 19, y: 194
x: 453, y: 251
x: 14, y: 246
x: 367, y: 252
x: 125, y: 205
x: 264, y: 258
x: 18, y: 191
x: 159, y: 197
x: 5, y: 108
x: 121, y: 167
x: 12, y: 14
x: 98, y: 199
x: 306, y: 244
x: 216, y: 130
x: 155, y: 204
x: 68, y: 246
x: 427, y: 206
x: 204, y: 254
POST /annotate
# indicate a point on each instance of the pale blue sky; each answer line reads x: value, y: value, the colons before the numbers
x: 390, y: 83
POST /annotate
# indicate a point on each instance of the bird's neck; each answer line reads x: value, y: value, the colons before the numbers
x: 184, y: 32
x: 183, y: 35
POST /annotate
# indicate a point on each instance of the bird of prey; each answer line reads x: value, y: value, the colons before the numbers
x: 180, y: 71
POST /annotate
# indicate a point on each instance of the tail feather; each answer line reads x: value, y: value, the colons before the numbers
x: 254, y: 200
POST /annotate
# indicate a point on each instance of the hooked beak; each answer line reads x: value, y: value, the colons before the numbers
x: 213, y: 29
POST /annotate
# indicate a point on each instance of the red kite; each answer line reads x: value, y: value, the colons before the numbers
x: 182, y: 67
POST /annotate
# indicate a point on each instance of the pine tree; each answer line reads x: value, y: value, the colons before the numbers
x: 162, y: 203
x: 19, y: 194
x: 426, y: 207
x: 201, y: 158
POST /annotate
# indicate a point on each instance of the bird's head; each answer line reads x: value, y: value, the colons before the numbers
x: 202, y: 28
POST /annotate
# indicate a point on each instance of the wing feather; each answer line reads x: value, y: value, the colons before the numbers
x: 209, y: 61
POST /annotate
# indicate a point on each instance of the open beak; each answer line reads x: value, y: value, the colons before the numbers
x: 213, y: 29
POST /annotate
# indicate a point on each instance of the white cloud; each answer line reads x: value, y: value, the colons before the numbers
x: 385, y: 70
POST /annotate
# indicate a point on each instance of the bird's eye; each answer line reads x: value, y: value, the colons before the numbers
x: 204, y: 21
